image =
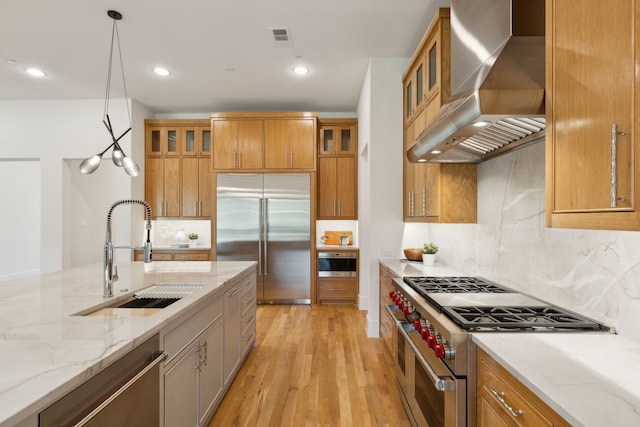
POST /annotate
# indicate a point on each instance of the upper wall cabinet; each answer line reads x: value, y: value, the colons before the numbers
x: 238, y: 144
x: 338, y: 169
x: 427, y: 81
x: 433, y: 192
x: 177, y: 168
x: 290, y: 143
x: 254, y: 142
x: 592, y: 95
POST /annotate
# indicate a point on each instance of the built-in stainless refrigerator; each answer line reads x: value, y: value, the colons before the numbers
x: 267, y: 218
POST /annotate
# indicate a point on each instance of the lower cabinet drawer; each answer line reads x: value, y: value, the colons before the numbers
x: 337, y: 290
x: 191, y: 256
x: 173, y: 256
x: 155, y: 256
x: 504, y: 399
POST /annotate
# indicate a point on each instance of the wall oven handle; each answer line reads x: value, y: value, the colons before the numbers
x: 441, y: 384
x: 155, y: 362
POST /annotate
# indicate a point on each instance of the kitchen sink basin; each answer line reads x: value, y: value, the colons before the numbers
x: 144, y: 302
x: 147, y: 303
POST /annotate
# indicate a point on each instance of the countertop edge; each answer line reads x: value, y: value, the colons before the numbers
x: 28, y: 405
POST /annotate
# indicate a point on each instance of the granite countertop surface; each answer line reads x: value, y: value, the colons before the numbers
x: 589, y: 378
x: 46, y: 350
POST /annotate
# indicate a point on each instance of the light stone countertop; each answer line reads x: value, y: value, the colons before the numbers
x: 323, y: 247
x: 46, y: 350
x: 592, y: 379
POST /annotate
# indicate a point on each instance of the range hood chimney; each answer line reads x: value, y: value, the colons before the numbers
x: 497, y: 82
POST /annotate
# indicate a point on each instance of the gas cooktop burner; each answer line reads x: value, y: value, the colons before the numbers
x: 518, y: 318
x: 426, y: 285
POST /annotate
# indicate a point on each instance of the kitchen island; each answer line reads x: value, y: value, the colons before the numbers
x: 47, y: 349
x: 588, y: 378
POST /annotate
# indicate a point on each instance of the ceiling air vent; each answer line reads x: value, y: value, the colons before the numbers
x: 281, y: 36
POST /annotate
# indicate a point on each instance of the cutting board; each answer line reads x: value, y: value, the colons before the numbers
x: 333, y: 237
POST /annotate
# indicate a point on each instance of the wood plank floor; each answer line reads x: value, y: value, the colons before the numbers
x: 313, y: 366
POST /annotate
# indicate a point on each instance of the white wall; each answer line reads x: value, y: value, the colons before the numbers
x: 57, y: 130
x: 379, y: 176
x: 19, y: 218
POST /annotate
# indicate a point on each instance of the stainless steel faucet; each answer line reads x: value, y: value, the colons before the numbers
x: 111, y: 271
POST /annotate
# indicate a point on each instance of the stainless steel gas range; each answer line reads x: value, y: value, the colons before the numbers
x: 435, y: 356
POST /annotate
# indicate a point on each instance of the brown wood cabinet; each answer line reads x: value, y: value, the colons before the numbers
x: 169, y: 255
x: 592, y: 95
x: 258, y: 142
x: 427, y: 82
x: 433, y: 192
x: 338, y: 169
x: 177, y: 168
x: 502, y: 400
x: 162, y: 186
x: 290, y: 143
x: 388, y: 330
x: 237, y: 144
x: 339, y: 290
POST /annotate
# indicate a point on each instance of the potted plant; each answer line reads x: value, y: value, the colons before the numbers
x: 193, y: 239
x: 429, y: 251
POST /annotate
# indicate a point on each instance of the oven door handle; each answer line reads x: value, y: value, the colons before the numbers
x: 440, y: 383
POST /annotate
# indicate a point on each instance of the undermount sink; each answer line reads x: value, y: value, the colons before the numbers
x: 146, y: 301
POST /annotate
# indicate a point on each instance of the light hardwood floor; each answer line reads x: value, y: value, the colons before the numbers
x: 313, y: 366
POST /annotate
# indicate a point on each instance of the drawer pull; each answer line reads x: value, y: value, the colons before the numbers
x: 500, y: 397
x: 337, y: 289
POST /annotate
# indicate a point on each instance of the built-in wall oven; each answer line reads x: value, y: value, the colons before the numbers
x: 337, y: 264
x: 435, y: 356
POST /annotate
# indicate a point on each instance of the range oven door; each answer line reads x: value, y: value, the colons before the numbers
x: 434, y: 396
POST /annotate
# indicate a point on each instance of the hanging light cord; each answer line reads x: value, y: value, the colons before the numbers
x: 115, y: 36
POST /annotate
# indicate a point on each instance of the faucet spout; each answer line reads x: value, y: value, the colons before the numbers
x: 111, y: 271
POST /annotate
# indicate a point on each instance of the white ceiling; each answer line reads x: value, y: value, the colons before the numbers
x: 197, y: 40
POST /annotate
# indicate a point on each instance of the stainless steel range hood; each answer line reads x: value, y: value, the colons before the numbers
x: 497, y: 82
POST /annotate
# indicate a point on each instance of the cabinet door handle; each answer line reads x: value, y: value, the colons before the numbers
x: 424, y: 201
x: 204, y: 361
x: 614, y: 162
x: 232, y: 294
x: 500, y: 397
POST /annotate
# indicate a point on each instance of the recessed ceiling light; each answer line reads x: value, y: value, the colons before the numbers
x: 163, y: 72
x: 300, y: 69
x: 422, y: 160
x: 35, y: 72
x: 436, y: 152
x: 480, y: 124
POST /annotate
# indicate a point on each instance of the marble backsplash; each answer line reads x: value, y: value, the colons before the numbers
x: 592, y: 272
x: 163, y: 231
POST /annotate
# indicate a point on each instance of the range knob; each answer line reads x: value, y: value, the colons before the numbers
x: 425, y: 333
x: 444, y: 351
x: 433, y: 339
x: 407, y: 308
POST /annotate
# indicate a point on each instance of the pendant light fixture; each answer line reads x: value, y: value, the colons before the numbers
x: 90, y: 164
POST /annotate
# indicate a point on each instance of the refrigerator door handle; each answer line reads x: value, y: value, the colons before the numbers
x: 260, y: 207
x: 265, y: 223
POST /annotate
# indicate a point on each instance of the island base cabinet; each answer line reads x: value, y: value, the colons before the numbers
x: 193, y: 385
x: 181, y: 391
x: 210, y: 378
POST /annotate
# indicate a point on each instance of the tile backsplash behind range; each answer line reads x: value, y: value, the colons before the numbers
x: 164, y: 231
